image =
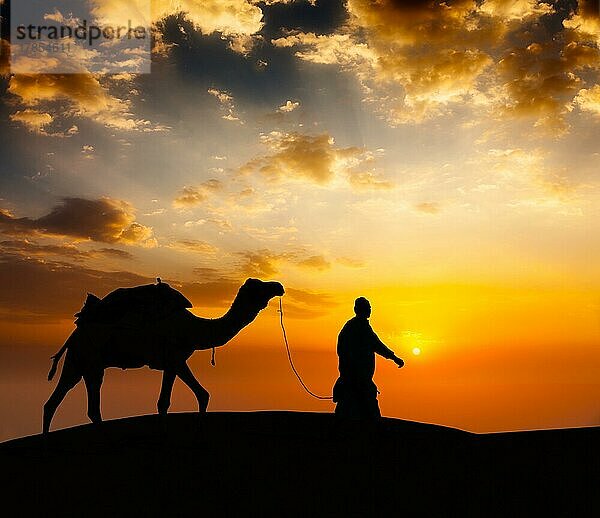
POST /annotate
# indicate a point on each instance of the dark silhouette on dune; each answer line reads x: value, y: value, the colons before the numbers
x: 148, y: 325
x: 354, y: 391
x: 288, y: 464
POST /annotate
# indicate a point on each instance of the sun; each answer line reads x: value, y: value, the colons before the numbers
x: 416, y: 351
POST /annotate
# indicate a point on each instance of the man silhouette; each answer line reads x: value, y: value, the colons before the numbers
x: 354, y: 391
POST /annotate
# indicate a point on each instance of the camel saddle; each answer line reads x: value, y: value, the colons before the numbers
x: 132, y: 307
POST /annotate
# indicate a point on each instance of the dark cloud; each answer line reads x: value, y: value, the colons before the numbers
x: 324, y: 17
x: 38, y: 290
x: 207, y: 61
x: 69, y: 250
x: 105, y: 220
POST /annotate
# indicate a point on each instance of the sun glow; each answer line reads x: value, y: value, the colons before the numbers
x: 416, y: 351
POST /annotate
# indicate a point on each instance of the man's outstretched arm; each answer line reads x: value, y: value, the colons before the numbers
x: 383, y: 350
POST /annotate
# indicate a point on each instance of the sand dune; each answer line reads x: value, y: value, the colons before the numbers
x: 298, y: 464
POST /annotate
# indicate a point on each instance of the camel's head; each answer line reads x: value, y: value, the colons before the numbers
x: 257, y: 293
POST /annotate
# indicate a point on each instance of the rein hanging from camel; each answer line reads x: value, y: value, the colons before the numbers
x: 289, y: 354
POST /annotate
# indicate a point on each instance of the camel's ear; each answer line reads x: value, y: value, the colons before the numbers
x: 251, y: 281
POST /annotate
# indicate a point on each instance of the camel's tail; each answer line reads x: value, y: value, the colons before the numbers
x: 55, y: 359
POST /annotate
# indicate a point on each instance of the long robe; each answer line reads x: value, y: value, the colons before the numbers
x: 354, y: 391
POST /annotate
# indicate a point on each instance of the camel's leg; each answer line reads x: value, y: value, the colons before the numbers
x: 164, y: 400
x: 202, y: 395
x: 93, y: 383
x: 68, y: 379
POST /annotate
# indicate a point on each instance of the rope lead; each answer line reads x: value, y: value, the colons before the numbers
x: 289, y: 354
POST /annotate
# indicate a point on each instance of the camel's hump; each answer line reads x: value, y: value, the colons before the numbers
x: 137, y: 304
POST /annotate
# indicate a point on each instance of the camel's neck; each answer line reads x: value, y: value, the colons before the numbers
x: 218, y: 331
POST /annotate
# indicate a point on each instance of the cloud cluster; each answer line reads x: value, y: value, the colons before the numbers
x: 289, y: 106
x: 37, y: 290
x: 82, y: 95
x: 33, y: 120
x: 229, y: 17
x: 421, y: 59
x: 104, y: 220
x: 262, y: 263
x: 28, y: 248
x: 190, y: 196
x: 413, y: 58
x: 589, y: 100
x: 315, y: 158
x: 266, y: 263
x: 585, y: 22
x: 28, y: 284
x: 541, y: 80
x: 225, y: 99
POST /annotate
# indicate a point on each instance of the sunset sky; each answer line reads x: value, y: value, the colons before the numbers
x: 439, y: 158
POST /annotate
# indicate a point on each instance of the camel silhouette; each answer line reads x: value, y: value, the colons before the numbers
x: 148, y: 325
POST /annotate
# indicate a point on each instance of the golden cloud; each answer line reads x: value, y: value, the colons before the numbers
x: 315, y: 262
x: 262, y: 263
x: 226, y: 101
x: 84, y: 97
x: 589, y: 100
x: 342, y: 49
x: 266, y: 263
x: 417, y: 60
x: 541, y: 80
x: 193, y: 195
x: 297, y: 156
x: 105, y: 220
x: 229, y: 17
x: 289, y: 106
x: 512, y: 10
x: 307, y: 157
x: 33, y: 120
x: 413, y: 58
x: 585, y: 23
x: 368, y: 180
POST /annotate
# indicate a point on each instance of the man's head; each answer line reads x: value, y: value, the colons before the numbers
x: 362, y: 307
